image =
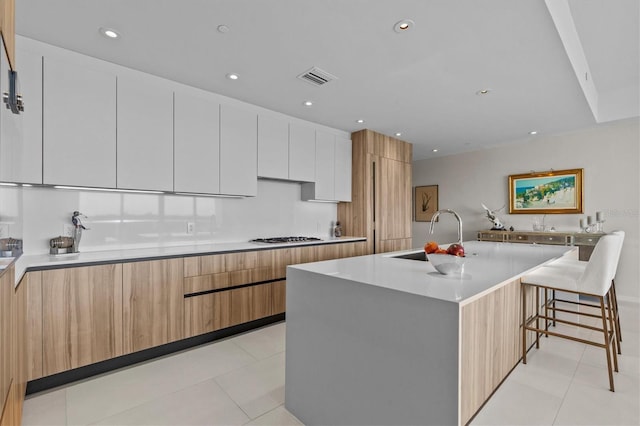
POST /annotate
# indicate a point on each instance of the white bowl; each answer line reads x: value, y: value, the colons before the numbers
x: 447, y: 264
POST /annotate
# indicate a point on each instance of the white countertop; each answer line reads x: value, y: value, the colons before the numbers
x: 487, y: 264
x: 47, y: 261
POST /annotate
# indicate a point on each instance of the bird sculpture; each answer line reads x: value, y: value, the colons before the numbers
x: 491, y: 215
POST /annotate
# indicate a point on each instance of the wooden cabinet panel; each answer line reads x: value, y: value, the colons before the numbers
x: 250, y: 303
x: 203, y: 265
x: 279, y: 297
x: 6, y: 330
x: 394, y: 189
x: 196, y: 143
x: 8, y: 29
x: 79, y: 148
x: 82, y: 316
x: 302, y: 153
x: 153, y: 311
x: 490, y: 343
x: 273, y: 147
x: 206, y: 282
x: 239, y: 261
x: 206, y: 313
x: 145, y: 134
x: 238, y: 151
x: 33, y: 283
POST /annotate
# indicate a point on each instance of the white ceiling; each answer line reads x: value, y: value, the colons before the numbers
x: 422, y: 83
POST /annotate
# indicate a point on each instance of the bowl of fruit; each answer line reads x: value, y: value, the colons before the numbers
x: 447, y: 261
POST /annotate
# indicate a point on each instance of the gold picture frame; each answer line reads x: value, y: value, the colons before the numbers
x: 554, y: 192
x: 425, y: 202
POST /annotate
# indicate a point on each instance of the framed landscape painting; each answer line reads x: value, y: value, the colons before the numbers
x: 425, y: 202
x: 557, y: 191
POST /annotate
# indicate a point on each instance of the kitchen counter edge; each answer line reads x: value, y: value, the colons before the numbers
x: 41, y: 262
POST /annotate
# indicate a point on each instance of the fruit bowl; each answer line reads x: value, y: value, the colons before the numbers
x: 447, y: 264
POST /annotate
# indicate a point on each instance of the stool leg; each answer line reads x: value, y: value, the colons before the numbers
x: 614, y: 313
x: 546, y: 311
x: 615, y: 304
x: 523, y: 289
x: 614, y: 339
x: 537, y: 317
x: 606, y: 342
x: 553, y: 294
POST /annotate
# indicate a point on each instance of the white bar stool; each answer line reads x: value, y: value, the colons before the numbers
x: 594, y: 281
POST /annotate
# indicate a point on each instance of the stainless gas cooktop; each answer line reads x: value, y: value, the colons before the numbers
x: 280, y: 240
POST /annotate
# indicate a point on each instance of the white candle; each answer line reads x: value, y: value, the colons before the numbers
x: 599, y: 217
x: 589, y: 220
x: 582, y: 224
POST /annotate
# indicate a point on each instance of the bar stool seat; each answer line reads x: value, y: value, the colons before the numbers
x: 575, y: 266
x: 594, y: 281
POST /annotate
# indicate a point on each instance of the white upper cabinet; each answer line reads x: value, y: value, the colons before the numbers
x: 302, y: 153
x: 197, y: 143
x: 79, y: 119
x: 238, y: 151
x: 14, y: 163
x: 333, y: 170
x: 342, y: 167
x: 145, y: 133
x: 273, y: 147
x: 325, y: 153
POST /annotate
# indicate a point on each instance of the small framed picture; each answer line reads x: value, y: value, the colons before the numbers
x: 557, y: 191
x: 425, y: 202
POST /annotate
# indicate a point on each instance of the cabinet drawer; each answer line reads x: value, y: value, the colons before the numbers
x: 518, y: 238
x: 550, y: 239
x: 586, y: 240
x: 491, y: 236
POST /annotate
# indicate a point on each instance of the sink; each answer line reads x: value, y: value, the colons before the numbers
x: 419, y: 255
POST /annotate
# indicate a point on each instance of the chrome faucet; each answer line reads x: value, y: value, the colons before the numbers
x: 435, y: 216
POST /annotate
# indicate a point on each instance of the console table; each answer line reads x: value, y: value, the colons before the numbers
x: 584, y: 241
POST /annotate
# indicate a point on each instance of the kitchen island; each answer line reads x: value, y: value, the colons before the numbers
x: 384, y: 340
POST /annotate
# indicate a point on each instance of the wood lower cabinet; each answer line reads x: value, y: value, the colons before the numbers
x: 81, y: 316
x: 153, y: 307
x: 6, y: 331
x: 206, y: 313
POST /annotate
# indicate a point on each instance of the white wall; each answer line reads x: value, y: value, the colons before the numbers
x: 609, y: 155
x: 129, y: 220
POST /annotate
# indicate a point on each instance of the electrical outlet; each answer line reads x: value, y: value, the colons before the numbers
x: 67, y: 230
x: 4, y: 230
x: 190, y: 228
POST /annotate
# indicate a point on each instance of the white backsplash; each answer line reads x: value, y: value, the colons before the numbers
x: 130, y: 220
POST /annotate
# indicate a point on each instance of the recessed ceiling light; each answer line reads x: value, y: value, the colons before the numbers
x: 232, y: 76
x: 434, y: 150
x: 403, y: 26
x: 109, y: 32
x: 223, y: 29
x: 360, y: 120
x: 533, y: 132
x: 483, y: 92
x: 307, y: 103
x: 398, y: 134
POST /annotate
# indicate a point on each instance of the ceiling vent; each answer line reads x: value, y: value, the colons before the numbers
x: 317, y: 77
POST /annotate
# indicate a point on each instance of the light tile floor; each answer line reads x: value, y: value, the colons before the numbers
x: 240, y: 381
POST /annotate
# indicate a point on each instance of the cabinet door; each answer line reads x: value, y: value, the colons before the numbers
x: 393, y: 211
x: 273, y: 147
x: 342, y: 168
x: 81, y: 316
x: 325, y: 153
x: 79, y: 119
x: 21, y: 139
x: 197, y: 144
x: 152, y: 303
x: 238, y: 151
x: 145, y: 134
x: 6, y: 327
x: 302, y: 153
x: 206, y: 313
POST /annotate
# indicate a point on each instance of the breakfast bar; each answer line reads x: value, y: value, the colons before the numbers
x: 382, y: 339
